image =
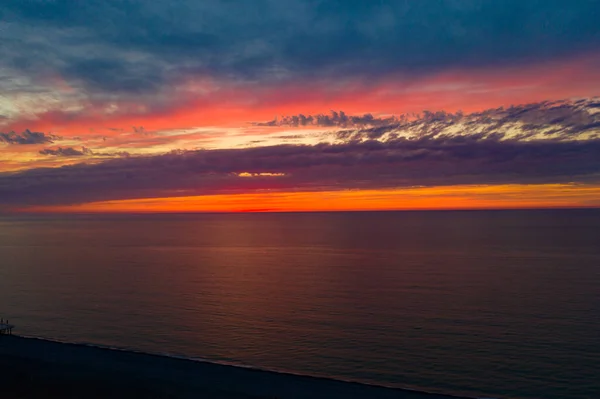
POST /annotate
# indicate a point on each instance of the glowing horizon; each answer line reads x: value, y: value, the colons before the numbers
x: 421, y: 198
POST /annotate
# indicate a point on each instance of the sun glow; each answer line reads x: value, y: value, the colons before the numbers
x: 261, y: 174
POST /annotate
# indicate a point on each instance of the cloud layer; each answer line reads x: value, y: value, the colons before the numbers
x: 371, y: 164
x: 138, y: 45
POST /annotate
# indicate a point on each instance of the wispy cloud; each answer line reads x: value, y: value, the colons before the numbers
x: 557, y: 120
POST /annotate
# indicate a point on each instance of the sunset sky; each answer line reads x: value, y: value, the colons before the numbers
x: 289, y: 105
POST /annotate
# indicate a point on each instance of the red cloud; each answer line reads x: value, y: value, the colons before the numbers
x: 210, y: 104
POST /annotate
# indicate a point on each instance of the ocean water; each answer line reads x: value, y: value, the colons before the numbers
x: 502, y: 304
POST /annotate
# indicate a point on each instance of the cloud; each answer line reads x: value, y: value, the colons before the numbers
x: 26, y: 137
x: 333, y: 119
x: 72, y: 152
x: 557, y: 119
x: 66, y: 152
x: 131, y: 47
x: 548, y: 120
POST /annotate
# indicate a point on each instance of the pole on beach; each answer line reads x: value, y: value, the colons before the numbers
x: 5, y: 328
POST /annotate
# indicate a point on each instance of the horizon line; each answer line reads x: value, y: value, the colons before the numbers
x: 264, y: 211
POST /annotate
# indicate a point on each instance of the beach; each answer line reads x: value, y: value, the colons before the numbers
x: 37, y: 368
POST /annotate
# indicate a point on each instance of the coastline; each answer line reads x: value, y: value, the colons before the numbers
x: 39, y: 368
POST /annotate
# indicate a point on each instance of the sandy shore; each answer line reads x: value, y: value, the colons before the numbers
x: 35, y: 368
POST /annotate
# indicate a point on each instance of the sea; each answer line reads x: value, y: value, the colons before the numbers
x: 486, y: 304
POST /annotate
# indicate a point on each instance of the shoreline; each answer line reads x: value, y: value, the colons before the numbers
x: 40, y: 368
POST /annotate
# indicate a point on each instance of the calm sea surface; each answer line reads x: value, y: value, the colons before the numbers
x: 492, y: 304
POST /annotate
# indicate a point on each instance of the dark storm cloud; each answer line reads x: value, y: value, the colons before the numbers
x: 139, y: 46
x: 26, y: 137
x: 471, y: 159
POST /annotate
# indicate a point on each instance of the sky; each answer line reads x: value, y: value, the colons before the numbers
x: 298, y: 105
